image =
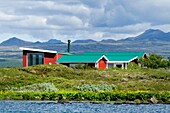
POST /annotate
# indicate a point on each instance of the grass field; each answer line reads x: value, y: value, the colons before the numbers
x: 63, y: 84
x: 67, y: 79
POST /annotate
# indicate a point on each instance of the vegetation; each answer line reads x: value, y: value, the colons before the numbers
x: 82, y: 66
x: 116, y: 97
x: 84, y: 84
x: 65, y: 78
x: 41, y: 87
x: 155, y: 61
x: 96, y: 87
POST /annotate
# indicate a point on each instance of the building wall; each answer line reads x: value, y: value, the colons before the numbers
x: 49, y: 58
x: 59, y: 55
x: 102, y: 64
x: 122, y: 65
x: 92, y: 65
x: 24, y: 59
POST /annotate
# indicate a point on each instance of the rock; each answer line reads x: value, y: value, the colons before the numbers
x: 124, y: 80
x: 33, y: 71
x: 63, y: 101
x: 153, y: 100
x: 119, y: 102
x: 130, y: 102
x: 129, y: 76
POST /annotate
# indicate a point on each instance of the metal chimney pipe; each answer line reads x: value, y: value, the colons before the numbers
x: 69, y: 46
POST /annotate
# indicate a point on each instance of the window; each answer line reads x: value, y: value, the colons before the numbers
x: 35, y: 58
x: 110, y: 65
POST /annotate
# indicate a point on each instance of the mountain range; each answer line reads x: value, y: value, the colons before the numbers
x: 18, y: 42
x: 151, y: 35
x: 148, y: 35
x: 150, y: 41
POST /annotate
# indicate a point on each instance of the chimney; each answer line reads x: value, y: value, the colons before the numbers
x: 68, y: 46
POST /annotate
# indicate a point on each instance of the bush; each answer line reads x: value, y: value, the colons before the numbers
x: 96, y: 87
x: 133, y: 65
x: 81, y: 66
x: 154, y: 61
x: 45, y: 69
x: 137, y: 96
x: 41, y: 87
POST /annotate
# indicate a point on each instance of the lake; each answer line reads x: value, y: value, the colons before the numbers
x: 53, y: 107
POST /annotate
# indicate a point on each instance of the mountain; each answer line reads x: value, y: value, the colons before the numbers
x: 37, y: 42
x: 150, y: 41
x: 54, y: 41
x: 152, y: 35
x: 108, y: 41
x: 15, y: 42
x: 18, y: 42
x: 84, y: 41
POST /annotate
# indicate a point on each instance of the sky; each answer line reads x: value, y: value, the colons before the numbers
x: 41, y: 20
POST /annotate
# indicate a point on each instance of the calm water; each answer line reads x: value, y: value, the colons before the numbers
x: 52, y: 107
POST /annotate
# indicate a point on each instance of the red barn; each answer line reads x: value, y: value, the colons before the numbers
x: 39, y: 56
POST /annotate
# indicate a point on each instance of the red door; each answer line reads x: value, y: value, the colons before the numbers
x: 102, y: 64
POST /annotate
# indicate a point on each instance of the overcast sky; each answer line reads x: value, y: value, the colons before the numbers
x: 41, y: 20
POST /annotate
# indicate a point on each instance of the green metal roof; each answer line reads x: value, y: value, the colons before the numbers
x: 138, y: 54
x: 92, y: 57
x: 80, y: 58
x: 120, y: 58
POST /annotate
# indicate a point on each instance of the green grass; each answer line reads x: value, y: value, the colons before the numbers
x: 67, y: 79
x: 120, y: 97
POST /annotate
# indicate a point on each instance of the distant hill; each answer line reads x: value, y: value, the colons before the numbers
x: 84, y: 41
x: 149, y: 35
x: 150, y: 41
x: 15, y: 42
x: 54, y: 41
x: 18, y: 42
x: 152, y: 35
x: 108, y: 41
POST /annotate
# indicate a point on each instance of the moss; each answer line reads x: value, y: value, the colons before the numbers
x: 137, y: 101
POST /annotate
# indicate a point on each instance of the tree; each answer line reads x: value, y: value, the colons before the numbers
x: 154, y: 61
x: 169, y: 61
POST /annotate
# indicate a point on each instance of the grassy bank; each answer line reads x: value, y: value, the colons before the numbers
x: 115, y: 97
x: 65, y: 78
x: 71, y: 80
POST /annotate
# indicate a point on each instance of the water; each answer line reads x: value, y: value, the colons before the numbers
x: 53, y: 107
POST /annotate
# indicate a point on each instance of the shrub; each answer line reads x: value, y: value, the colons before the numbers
x: 137, y: 100
x: 82, y: 66
x: 41, y: 87
x: 154, y: 61
x: 133, y: 65
x: 137, y: 96
x: 96, y: 87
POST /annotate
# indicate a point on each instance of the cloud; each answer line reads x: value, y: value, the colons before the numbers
x: 81, y: 19
x: 151, y: 11
x: 5, y: 17
x: 95, y: 3
x: 133, y: 28
x: 62, y: 20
